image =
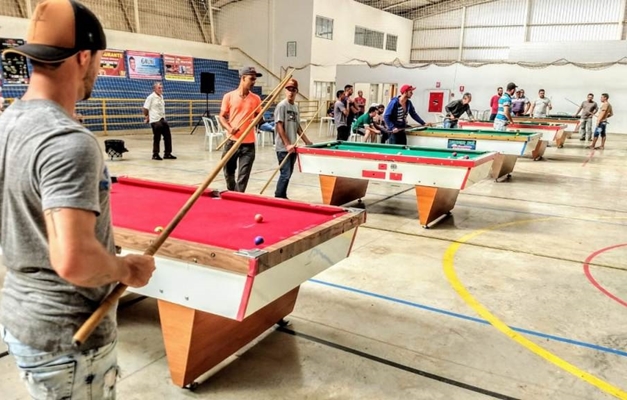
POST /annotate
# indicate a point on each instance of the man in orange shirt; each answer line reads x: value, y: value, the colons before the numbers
x: 239, y: 109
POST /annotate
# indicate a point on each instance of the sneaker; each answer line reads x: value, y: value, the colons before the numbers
x: 169, y: 157
x: 156, y: 157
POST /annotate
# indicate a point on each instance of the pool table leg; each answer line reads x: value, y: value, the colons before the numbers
x: 561, y: 139
x: 434, y: 202
x: 503, y: 165
x: 196, y: 341
x: 338, y: 190
x: 538, y: 152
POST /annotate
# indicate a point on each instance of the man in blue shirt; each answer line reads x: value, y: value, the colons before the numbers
x: 504, y: 114
x: 395, y: 115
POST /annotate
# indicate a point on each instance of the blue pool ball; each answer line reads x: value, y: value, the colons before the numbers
x: 258, y: 240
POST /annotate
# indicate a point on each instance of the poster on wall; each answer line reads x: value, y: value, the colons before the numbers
x: 14, y: 66
x: 178, y: 68
x: 112, y: 64
x: 436, y: 102
x: 143, y: 65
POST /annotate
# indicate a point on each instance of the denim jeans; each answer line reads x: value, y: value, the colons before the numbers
x: 245, y: 155
x: 449, y: 123
x: 86, y: 375
x: 399, y: 137
x: 286, y: 173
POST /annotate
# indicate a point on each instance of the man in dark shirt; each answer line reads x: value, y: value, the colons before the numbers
x: 455, y: 109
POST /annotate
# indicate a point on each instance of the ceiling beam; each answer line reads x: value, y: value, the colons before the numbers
x: 440, y: 8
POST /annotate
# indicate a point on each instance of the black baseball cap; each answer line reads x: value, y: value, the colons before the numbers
x: 511, y: 86
x: 59, y: 29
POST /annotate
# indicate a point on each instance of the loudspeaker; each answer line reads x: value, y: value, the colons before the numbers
x: 207, y: 82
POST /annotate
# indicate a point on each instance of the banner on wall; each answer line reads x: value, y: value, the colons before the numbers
x: 178, y: 68
x: 14, y: 66
x: 112, y: 64
x: 143, y: 65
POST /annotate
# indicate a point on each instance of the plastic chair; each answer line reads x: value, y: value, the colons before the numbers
x: 211, y: 132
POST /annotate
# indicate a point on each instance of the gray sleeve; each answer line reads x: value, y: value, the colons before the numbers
x: 69, y: 168
x: 279, y: 112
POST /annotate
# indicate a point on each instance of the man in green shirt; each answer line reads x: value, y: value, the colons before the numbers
x: 364, y: 125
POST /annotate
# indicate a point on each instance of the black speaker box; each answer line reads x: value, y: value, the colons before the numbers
x: 207, y: 82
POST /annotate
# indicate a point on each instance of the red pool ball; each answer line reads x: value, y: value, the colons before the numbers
x: 258, y: 218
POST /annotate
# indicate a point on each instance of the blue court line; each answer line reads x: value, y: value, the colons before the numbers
x: 473, y: 319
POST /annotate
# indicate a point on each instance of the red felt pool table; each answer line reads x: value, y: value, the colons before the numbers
x: 217, y: 289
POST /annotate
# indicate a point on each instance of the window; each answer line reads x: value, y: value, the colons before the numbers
x: 324, y: 27
x: 366, y: 37
x: 390, y: 43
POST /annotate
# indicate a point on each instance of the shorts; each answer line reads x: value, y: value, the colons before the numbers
x: 600, y: 130
x: 500, y: 125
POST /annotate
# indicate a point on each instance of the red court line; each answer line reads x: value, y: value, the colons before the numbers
x: 586, y: 269
x: 588, y: 159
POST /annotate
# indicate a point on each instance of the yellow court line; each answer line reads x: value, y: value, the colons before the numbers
x: 449, y: 270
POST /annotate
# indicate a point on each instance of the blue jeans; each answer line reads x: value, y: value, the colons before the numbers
x: 286, y: 173
x: 449, y: 123
x: 86, y: 375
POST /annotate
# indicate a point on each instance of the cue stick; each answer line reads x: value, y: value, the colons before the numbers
x: 92, y: 322
x: 288, y: 155
x: 226, y: 139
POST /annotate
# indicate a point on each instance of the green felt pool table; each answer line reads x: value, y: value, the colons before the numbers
x: 345, y: 168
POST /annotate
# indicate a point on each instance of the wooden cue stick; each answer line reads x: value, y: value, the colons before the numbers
x: 288, y: 156
x: 226, y: 138
x: 92, y: 322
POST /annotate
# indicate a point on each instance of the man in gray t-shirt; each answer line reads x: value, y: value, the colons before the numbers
x: 587, y: 109
x: 340, y: 117
x: 55, y: 223
x: 540, y: 107
x: 288, y: 129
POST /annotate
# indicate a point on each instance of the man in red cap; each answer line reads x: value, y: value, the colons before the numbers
x: 395, y: 115
x: 56, y: 231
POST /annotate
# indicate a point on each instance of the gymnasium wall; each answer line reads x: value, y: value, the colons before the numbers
x: 548, y: 30
x: 562, y: 83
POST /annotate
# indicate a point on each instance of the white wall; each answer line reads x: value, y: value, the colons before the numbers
x: 561, y: 83
x: 491, y: 29
x: 18, y: 27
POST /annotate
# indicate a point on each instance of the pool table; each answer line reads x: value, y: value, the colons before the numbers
x: 571, y: 122
x: 550, y: 133
x: 345, y: 168
x: 217, y: 290
x: 509, y: 145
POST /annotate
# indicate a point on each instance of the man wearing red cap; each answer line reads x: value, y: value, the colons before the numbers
x: 395, y: 115
x: 56, y: 231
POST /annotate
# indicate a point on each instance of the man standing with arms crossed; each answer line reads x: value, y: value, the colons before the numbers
x: 56, y: 231
x: 605, y: 113
x: 238, y: 112
x: 340, y: 117
x: 589, y: 108
x: 504, y: 115
x: 154, y: 113
x: 494, y: 103
x: 288, y: 129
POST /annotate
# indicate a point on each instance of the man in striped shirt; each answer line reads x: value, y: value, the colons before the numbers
x: 395, y: 115
x: 504, y: 115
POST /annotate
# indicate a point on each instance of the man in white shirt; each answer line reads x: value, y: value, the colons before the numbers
x: 1, y: 101
x: 154, y: 113
x: 540, y: 106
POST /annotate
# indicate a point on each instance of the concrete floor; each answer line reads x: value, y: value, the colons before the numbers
x: 389, y: 322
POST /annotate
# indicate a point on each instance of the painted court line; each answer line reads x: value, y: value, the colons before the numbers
x: 586, y: 269
x: 468, y: 318
x: 451, y: 274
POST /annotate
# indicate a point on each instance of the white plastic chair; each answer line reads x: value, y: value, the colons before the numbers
x: 211, y: 133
